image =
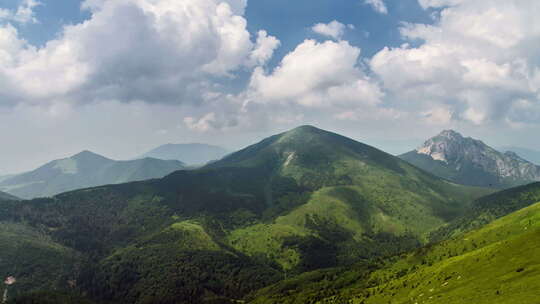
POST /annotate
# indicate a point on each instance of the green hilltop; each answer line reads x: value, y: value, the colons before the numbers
x: 298, y: 201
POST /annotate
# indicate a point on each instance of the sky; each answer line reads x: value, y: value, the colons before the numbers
x: 120, y: 77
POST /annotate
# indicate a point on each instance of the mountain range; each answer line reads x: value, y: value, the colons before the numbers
x: 295, y: 202
x: 306, y: 216
x: 83, y: 170
x: 468, y: 161
x: 190, y: 154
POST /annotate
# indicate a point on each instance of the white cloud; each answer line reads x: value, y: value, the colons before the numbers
x: 333, y: 29
x: 438, y: 3
x: 171, y: 52
x: 476, y: 61
x: 378, y: 5
x: 203, y: 124
x: 438, y: 116
x: 23, y: 14
x: 317, y: 75
x: 264, y: 49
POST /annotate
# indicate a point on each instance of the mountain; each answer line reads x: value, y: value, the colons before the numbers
x: 5, y: 196
x: 191, y: 154
x: 528, y: 154
x: 84, y: 170
x: 295, y: 202
x: 496, y: 262
x: 469, y: 161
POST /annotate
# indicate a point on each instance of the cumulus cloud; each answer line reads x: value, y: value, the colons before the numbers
x: 318, y: 75
x: 264, y: 49
x: 211, y: 122
x: 378, y: 5
x: 333, y: 29
x: 438, y: 3
x: 171, y: 52
x: 23, y: 14
x: 478, y: 61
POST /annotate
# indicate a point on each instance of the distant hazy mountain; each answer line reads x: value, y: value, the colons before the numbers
x: 528, y: 154
x: 471, y: 162
x: 5, y: 196
x: 83, y: 170
x: 191, y: 154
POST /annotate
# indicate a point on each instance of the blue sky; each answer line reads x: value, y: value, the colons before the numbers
x: 291, y: 21
x: 140, y: 73
x: 297, y: 17
x: 52, y: 16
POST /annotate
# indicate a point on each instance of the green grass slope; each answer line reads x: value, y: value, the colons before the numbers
x: 497, y: 263
x: 489, y: 208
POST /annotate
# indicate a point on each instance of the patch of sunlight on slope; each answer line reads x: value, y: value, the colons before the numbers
x: 67, y: 166
x: 326, y: 207
x: 193, y: 236
x: 266, y: 240
x: 344, y: 207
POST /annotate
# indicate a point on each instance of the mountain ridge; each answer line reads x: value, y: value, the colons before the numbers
x: 82, y: 170
x: 469, y: 161
x: 530, y: 155
x: 190, y: 153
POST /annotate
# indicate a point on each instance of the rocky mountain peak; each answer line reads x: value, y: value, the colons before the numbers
x: 446, y: 145
x: 470, y: 161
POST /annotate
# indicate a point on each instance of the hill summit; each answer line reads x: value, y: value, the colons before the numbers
x: 469, y: 161
x: 83, y: 170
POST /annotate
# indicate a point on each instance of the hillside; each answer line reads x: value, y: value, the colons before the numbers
x: 5, y: 196
x: 298, y: 201
x: 191, y: 154
x: 47, y: 265
x: 494, y: 264
x: 84, y: 170
x: 471, y: 162
x: 489, y: 208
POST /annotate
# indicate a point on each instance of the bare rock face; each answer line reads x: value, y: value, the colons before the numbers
x: 469, y: 161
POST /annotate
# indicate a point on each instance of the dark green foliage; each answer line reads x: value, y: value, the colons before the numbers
x: 171, y: 276
x: 50, y: 297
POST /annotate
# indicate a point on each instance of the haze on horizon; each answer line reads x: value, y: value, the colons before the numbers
x: 389, y: 73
